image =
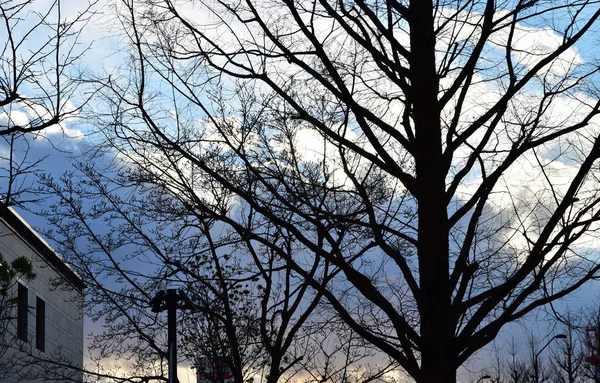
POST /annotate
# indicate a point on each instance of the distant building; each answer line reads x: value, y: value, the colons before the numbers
x: 47, y: 322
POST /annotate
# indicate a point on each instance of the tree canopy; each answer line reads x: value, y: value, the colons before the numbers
x: 421, y: 173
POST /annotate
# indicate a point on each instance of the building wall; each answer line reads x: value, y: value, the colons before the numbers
x: 63, y: 311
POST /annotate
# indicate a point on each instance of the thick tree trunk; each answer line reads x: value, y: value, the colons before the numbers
x: 274, y: 372
x: 438, y: 358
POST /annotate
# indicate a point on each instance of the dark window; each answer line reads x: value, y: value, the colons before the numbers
x: 22, y: 313
x: 40, y: 324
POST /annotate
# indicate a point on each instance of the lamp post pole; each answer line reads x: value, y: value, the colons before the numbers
x: 171, y: 303
x: 536, y: 367
x: 171, y: 300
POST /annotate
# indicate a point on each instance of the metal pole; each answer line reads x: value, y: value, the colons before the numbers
x: 171, y: 300
x: 536, y: 367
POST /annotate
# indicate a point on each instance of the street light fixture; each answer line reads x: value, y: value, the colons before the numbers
x: 172, y: 300
x: 536, y: 366
x: 482, y: 378
x: 557, y: 336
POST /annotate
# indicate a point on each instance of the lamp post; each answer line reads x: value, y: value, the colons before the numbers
x: 482, y: 378
x: 171, y: 300
x: 536, y: 367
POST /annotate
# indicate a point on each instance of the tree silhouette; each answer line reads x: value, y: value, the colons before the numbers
x: 428, y: 170
x: 39, y: 81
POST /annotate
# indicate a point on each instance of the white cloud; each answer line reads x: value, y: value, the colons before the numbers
x: 13, y: 118
x: 531, y: 45
x: 29, y: 114
x: 61, y: 129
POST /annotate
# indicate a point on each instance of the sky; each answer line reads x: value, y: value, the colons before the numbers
x: 61, y: 146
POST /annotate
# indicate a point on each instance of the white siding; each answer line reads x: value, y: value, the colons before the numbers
x: 64, y: 318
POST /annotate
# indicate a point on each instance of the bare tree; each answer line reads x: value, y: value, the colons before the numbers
x: 17, y: 169
x: 39, y: 79
x: 516, y: 368
x: 547, y: 359
x: 39, y: 82
x: 337, y: 354
x: 538, y: 369
x: 428, y: 168
x: 254, y: 316
x: 497, y: 366
x: 567, y: 357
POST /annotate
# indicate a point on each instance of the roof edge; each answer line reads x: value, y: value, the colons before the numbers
x: 31, y: 237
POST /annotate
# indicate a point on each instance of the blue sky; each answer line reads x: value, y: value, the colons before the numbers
x: 60, y: 148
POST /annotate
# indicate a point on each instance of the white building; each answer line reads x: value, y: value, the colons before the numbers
x: 47, y: 323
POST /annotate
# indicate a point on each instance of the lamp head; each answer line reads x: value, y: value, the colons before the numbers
x: 157, y: 301
x: 187, y: 302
